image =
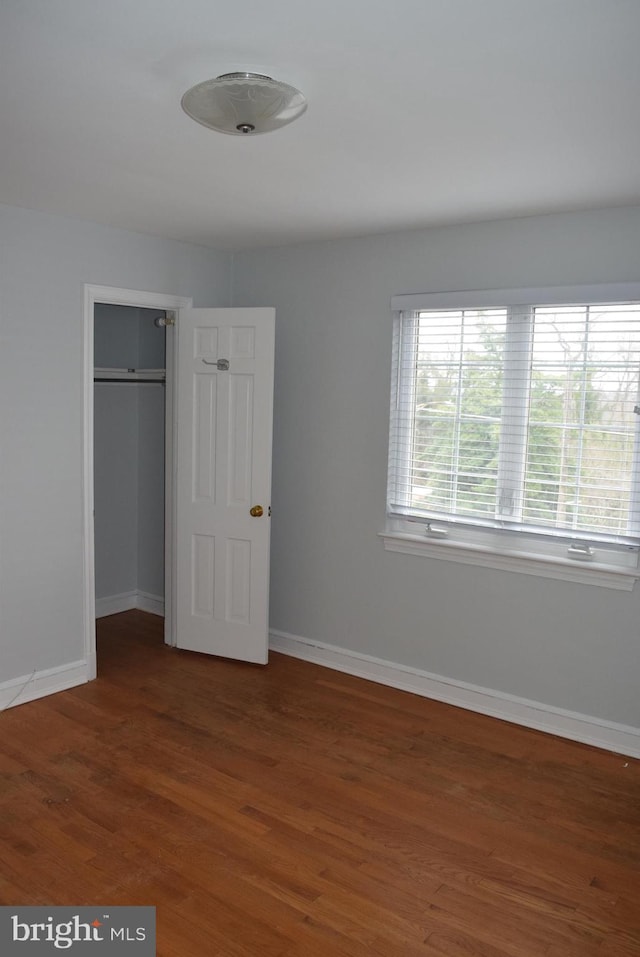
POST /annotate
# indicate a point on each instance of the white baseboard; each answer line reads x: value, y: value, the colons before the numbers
x: 620, y: 738
x: 142, y: 600
x: 114, y: 604
x: 151, y: 603
x: 42, y: 683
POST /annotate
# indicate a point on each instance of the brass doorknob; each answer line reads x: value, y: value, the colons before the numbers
x: 257, y: 511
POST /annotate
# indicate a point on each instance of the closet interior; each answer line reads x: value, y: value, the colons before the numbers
x: 129, y: 458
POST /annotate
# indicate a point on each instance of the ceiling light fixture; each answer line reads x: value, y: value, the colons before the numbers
x: 243, y: 103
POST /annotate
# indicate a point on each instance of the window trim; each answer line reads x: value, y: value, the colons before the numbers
x: 520, y: 557
x: 507, y: 548
x: 528, y: 296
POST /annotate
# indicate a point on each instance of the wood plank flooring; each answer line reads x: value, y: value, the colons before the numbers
x: 292, y: 811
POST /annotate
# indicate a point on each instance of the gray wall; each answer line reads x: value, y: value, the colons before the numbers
x: 150, y: 491
x: 44, y: 262
x: 116, y: 458
x: 568, y: 645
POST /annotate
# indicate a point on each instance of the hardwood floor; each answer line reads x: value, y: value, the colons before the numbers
x: 294, y: 811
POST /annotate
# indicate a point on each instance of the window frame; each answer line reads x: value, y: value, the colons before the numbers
x: 581, y: 557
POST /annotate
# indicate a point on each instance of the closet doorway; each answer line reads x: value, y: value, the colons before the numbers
x: 129, y: 428
x: 129, y: 458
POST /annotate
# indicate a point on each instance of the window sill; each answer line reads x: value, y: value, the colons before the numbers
x: 524, y: 562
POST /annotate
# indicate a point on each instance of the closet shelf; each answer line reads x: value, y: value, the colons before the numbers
x: 128, y: 375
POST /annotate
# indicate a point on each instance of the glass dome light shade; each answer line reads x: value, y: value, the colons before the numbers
x: 243, y: 103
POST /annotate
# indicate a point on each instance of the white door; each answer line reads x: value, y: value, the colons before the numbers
x: 223, y: 480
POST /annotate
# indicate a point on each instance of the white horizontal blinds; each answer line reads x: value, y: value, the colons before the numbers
x: 514, y: 413
x: 582, y: 428
x: 403, y: 411
x: 518, y: 417
x: 450, y: 390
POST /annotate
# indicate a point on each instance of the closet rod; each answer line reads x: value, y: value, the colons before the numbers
x: 133, y: 381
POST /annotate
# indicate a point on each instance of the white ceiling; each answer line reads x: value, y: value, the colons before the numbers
x: 421, y: 112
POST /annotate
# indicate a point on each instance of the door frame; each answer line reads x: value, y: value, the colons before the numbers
x: 115, y: 296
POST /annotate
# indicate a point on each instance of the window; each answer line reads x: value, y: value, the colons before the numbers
x: 515, y: 425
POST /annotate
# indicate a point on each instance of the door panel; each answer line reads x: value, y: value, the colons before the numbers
x: 223, y: 470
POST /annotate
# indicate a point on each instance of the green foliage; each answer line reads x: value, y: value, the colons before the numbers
x: 458, y: 421
x: 578, y: 457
